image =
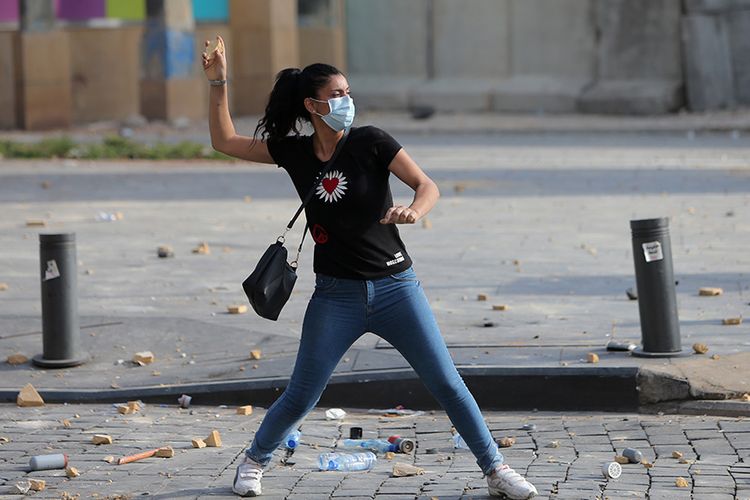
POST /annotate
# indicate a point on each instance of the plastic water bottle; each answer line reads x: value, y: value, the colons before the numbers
x: 347, y: 462
x: 292, y: 440
x: 371, y: 444
x: 458, y: 442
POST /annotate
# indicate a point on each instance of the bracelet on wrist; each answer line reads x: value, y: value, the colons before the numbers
x: 217, y: 83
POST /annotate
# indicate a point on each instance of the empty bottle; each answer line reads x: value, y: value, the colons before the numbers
x: 371, y: 444
x: 347, y: 462
x: 292, y: 440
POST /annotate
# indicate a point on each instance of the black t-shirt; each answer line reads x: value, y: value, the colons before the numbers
x: 344, y: 214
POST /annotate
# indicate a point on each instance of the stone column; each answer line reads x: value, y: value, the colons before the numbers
x: 321, y: 33
x: 264, y: 41
x: 42, y: 69
x: 171, y: 88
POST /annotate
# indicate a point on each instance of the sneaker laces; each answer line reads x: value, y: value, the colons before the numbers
x: 508, y: 474
x: 250, y: 470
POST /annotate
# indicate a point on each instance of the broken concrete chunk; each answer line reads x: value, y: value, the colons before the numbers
x: 746, y: 398
x: 28, y: 396
x: 710, y: 291
x: 165, y: 452
x: 553, y: 444
x: 237, y: 309
x: 21, y: 488
x: 36, y: 223
x: 506, y: 442
x: 17, y: 359
x: 213, y: 440
x: 202, y: 249
x: 245, y: 410
x: 677, y: 454
x: 500, y: 307
x: 134, y: 405
x: 700, y: 348
x: 4, y: 439
x: 255, y: 354
x: 646, y: 463
x: 403, y: 470
x: 482, y: 297
x: 198, y: 443
x: 101, y: 439
x: 681, y: 482
x: 144, y: 358
x: 184, y: 401
x: 164, y: 251
x: 125, y: 410
x: 592, y: 357
x: 621, y: 460
x: 72, y: 472
x: 715, y: 357
x: 109, y: 459
x: 66, y: 423
x: 732, y: 321
x: 37, y: 484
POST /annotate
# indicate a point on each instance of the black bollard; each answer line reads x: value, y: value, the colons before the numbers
x: 657, y: 302
x: 60, y: 328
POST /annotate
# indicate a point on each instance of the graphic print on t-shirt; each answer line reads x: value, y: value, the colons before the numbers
x: 332, y: 187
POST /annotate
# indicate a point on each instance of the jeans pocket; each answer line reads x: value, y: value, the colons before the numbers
x: 407, y: 275
x: 323, y: 282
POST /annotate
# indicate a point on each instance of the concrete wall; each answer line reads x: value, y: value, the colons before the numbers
x: 105, y: 95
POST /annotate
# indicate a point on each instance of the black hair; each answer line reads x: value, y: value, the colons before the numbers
x: 285, y: 106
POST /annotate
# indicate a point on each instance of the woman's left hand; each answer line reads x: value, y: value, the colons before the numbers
x: 399, y: 214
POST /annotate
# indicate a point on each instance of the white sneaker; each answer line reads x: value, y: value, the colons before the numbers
x: 504, y: 481
x: 247, y: 479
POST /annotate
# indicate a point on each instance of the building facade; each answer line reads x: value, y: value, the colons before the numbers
x: 78, y: 61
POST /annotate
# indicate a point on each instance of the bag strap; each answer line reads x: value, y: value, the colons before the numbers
x: 323, y: 171
x: 320, y: 175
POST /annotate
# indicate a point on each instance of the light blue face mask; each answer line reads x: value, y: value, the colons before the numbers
x: 341, y: 115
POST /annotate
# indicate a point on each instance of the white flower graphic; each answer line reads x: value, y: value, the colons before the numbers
x: 332, y: 187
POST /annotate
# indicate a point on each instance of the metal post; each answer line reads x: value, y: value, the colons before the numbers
x: 60, y: 328
x: 657, y: 302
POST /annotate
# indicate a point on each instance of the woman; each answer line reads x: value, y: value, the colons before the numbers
x: 364, y: 279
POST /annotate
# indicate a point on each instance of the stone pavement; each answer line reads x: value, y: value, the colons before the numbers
x: 562, y: 456
x: 538, y: 222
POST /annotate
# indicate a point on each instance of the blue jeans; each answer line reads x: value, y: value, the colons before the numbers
x: 396, y: 309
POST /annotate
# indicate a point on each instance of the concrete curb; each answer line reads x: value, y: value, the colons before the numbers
x: 554, y: 389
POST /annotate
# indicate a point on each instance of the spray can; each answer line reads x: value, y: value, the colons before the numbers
x: 403, y: 445
x: 48, y: 462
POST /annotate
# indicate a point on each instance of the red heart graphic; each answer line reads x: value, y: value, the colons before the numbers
x: 330, y: 184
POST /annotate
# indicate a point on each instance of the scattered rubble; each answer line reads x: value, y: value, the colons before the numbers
x: 165, y: 452
x: 255, y: 354
x: 681, y: 482
x: 592, y: 357
x: 202, y: 249
x: 677, y: 454
x: 700, y: 348
x: 144, y: 358
x: 198, y: 443
x: 245, y: 410
x: 403, y: 470
x: 101, y: 439
x: 165, y: 251
x: 213, y: 440
x: 72, y: 472
x: 237, y: 309
x: 500, y: 307
x: 28, y: 396
x: 335, y: 414
x: 482, y: 297
x: 506, y: 442
x: 17, y: 359
x: 710, y: 291
x: 732, y: 321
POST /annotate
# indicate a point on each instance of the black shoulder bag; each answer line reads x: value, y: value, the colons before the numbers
x: 270, y: 284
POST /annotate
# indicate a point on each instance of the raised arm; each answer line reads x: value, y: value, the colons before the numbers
x: 223, y: 136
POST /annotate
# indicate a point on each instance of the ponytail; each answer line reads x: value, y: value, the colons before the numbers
x: 285, y: 106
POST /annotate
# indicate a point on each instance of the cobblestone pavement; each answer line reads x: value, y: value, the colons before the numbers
x: 563, y: 455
